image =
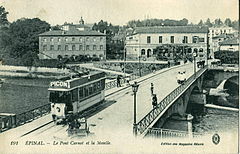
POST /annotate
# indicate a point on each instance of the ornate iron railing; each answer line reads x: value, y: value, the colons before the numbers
x: 113, y: 84
x: 169, y: 133
x: 143, y: 124
x: 8, y: 122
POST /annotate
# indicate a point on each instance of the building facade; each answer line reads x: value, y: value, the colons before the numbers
x: 144, y: 40
x: 230, y: 45
x: 218, y: 32
x: 216, y: 40
x: 72, y: 40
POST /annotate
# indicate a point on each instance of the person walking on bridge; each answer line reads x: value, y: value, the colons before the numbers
x: 118, y: 81
x: 152, y: 87
x: 154, y: 100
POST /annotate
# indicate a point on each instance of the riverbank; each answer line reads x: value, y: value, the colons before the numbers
x: 31, y: 72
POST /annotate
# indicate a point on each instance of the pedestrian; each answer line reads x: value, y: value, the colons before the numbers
x: 153, y: 69
x: 168, y: 64
x: 118, y: 81
x: 154, y: 100
x: 152, y: 87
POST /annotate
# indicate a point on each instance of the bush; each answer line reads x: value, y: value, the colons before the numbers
x: 227, y: 57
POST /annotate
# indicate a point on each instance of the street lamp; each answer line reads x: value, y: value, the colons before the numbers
x: 194, y: 67
x: 139, y: 67
x: 134, y: 89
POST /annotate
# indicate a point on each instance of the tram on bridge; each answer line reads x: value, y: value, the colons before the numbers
x: 71, y: 95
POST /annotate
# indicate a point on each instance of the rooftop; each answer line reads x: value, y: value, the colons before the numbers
x: 171, y: 29
x: 73, y: 32
x: 233, y: 41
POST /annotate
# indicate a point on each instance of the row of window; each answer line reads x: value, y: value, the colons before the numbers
x: 195, y: 39
x: 72, y: 47
x: 73, y: 39
x: 88, y: 90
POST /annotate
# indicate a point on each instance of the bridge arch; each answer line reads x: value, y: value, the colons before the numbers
x: 232, y: 84
x: 194, y: 103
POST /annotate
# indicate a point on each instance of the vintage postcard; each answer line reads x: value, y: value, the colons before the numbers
x: 119, y: 76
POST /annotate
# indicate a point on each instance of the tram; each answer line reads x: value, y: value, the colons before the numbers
x: 73, y: 95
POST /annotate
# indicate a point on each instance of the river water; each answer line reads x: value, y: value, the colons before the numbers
x: 18, y: 95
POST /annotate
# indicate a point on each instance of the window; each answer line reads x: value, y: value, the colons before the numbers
x: 44, y: 47
x: 143, y: 52
x: 51, y: 47
x: 160, y: 39
x: 85, y: 89
x: 201, y: 39
x: 73, y: 39
x: 87, y: 39
x: 59, y: 39
x: 80, y: 39
x: 51, y: 39
x: 66, y: 39
x: 148, y: 39
x: 94, y: 47
x: 87, y: 47
x: 200, y: 50
x: 59, y: 47
x: 101, y: 38
x: 185, y: 39
x: 66, y: 47
x: 80, y: 47
x: 94, y: 39
x: 44, y: 39
x: 90, y: 89
x: 80, y: 93
x: 195, y: 39
x: 101, y: 47
x: 73, y: 47
x: 74, y: 95
x: 172, y: 39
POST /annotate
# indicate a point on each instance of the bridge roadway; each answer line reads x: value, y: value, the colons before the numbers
x: 115, y: 121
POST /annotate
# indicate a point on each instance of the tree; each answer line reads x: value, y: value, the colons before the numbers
x: 56, y: 27
x: 228, y: 22
x: 235, y: 24
x: 200, y: 23
x: 218, y: 22
x: 3, y: 17
x: 23, y: 35
x: 208, y: 23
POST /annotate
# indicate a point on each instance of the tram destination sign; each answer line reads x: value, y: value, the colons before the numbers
x: 60, y: 84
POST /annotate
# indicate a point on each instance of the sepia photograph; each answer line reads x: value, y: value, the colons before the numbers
x: 119, y: 76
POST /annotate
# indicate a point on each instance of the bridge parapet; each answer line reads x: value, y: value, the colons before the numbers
x: 12, y: 120
x: 169, y: 133
x: 161, y: 107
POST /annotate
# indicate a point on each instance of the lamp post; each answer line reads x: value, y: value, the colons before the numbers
x: 140, y: 74
x: 134, y: 89
x: 194, y: 59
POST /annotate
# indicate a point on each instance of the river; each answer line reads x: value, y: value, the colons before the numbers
x: 208, y: 121
x: 18, y: 95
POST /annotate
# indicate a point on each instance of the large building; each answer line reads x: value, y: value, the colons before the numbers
x: 217, y: 34
x: 230, y: 44
x: 144, y: 40
x: 72, y: 40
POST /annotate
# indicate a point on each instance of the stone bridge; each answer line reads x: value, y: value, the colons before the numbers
x: 178, y: 102
x: 188, y: 98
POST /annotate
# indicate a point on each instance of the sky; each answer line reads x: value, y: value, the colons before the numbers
x: 119, y: 12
